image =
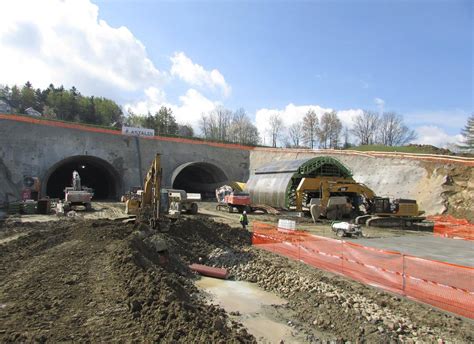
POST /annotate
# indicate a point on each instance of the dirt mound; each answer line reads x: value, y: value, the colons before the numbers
x: 99, y: 281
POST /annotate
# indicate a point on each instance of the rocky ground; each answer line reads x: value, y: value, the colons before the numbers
x: 100, y: 280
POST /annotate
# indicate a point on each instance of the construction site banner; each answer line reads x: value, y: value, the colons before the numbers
x: 443, y: 285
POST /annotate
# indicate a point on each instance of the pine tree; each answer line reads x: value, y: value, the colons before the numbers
x: 468, y: 136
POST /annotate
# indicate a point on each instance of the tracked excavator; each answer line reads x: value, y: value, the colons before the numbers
x: 154, y: 205
x: 384, y: 212
x: 337, y: 199
x: 154, y: 214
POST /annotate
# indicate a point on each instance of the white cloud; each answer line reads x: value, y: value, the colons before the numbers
x: 193, y: 105
x: 188, y: 111
x: 289, y: 115
x: 65, y: 42
x: 154, y: 97
x: 436, y: 136
x: 195, y: 74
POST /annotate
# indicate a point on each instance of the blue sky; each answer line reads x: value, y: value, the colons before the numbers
x: 413, y: 57
x: 342, y: 54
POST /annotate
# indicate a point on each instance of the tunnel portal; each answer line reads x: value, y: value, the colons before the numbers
x: 95, y: 173
x: 199, y: 177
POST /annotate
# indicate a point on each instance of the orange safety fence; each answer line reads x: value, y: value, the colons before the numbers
x: 448, y: 226
x: 447, y: 286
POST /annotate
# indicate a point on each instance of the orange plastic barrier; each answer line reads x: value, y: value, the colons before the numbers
x: 447, y: 286
x: 450, y: 227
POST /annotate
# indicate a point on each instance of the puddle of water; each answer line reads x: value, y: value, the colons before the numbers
x: 250, y: 301
x: 233, y: 296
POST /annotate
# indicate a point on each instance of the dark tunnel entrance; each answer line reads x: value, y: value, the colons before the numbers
x: 199, y: 177
x: 95, y: 173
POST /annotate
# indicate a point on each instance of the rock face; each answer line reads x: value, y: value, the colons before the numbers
x: 438, y: 187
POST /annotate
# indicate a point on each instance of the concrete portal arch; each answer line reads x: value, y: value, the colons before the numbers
x: 95, y: 173
x: 200, y: 177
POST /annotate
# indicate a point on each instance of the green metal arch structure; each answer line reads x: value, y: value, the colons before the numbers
x: 275, y: 184
x: 324, y: 166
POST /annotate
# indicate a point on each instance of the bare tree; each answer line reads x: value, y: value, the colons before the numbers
x: 335, y: 128
x: 215, y: 124
x: 365, y: 127
x: 330, y: 130
x: 241, y: 130
x: 276, y: 125
x: 393, y: 132
x: 295, y: 132
x: 310, y: 128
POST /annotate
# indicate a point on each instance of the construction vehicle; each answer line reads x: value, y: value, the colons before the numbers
x: 177, y: 200
x: 153, y: 208
x: 183, y: 202
x: 77, y: 194
x: 355, y: 200
x: 332, y: 198
x: 132, y: 193
x: 132, y: 202
x: 230, y: 199
x: 383, y: 212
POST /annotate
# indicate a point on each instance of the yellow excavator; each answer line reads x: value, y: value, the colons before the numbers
x: 331, y: 197
x: 338, y: 198
x: 153, y: 207
x: 384, y: 212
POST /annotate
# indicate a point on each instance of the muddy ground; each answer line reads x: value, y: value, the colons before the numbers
x: 99, y: 280
x: 93, y: 280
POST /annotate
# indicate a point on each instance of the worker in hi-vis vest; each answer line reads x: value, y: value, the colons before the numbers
x: 244, y: 220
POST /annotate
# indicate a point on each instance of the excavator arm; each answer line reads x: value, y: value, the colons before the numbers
x: 151, y: 198
x: 327, y: 186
